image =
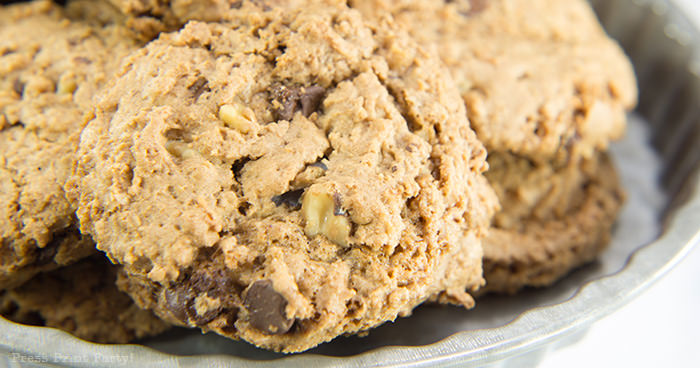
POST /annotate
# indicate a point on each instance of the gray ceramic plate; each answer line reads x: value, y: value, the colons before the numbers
x: 660, y: 165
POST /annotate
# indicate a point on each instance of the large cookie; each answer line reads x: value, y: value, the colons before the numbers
x: 546, y: 91
x: 540, y: 77
x: 552, y: 222
x: 50, y: 68
x: 286, y: 178
x: 83, y: 300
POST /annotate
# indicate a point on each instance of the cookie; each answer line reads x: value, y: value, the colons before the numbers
x: 546, y: 91
x: 552, y: 223
x: 148, y: 18
x: 50, y: 67
x: 540, y: 78
x: 81, y: 299
x: 285, y: 178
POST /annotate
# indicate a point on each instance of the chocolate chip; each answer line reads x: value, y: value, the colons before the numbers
x: 180, y: 301
x: 290, y: 100
x: 201, y: 282
x: 199, y: 86
x: 176, y: 303
x: 311, y: 99
x: 291, y: 199
x: 213, y: 282
x: 266, y: 308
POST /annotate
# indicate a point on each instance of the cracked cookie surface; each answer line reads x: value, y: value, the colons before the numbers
x: 50, y: 67
x: 540, y: 78
x: 148, y: 18
x: 546, y: 91
x: 81, y: 299
x: 286, y: 178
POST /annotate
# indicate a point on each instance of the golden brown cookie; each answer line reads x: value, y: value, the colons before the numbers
x: 552, y: 221
x: 540, y: 78
x: 81, y: 299
x: 148, y: 18
x: 285, y: 178
x: 50, y: 68
x: 546, y: 91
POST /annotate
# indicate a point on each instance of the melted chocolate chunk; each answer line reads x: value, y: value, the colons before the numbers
x: 290, y: 100
x: 181, y: 299
x: 266, y: 308
x: 176, y: 302
x: 291, y: 199
x: 201, y: 282
x: 311, y: 98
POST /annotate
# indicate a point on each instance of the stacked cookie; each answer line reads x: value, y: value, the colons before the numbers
x: 50, y: 69
x: 285, y: 172
x: 546, y: 91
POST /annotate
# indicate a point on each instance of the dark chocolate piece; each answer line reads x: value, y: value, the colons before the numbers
x: 266, y: 308
x: 311, y: 98
x: 291, y: 198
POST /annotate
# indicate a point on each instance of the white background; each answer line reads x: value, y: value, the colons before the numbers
x: 661, y: 328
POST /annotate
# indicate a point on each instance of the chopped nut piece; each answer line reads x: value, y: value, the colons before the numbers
x: 181, y: 150
x: 66, y: 84
x: 237, y: 117
x: 323, y: 216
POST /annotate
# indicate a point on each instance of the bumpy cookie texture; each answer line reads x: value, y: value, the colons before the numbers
x: 81, y: 299
x: 540, y: 78
x: 286, y: 178
x: 148, y: 18
x: 560, y: 233
x: 546, y: 91
x: 50, y: 68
